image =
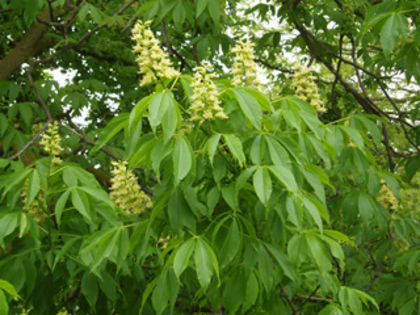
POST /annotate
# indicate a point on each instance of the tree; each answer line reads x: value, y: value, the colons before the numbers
x: 165, y: 177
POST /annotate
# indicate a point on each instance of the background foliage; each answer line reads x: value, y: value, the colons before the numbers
x: 276, y: 210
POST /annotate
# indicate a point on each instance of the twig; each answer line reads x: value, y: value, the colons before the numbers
x: 90, y: 142
x: 29, y: 143
x: 314, y: 298
x: 333, y: 88
x: 388, y: 148
x: 171, y: 49
x: 273, y: 67
x: 294, y: 308
x: 310, y: 296
x: 38, y: 94
x: 375, y: 276
x: 85, y: 37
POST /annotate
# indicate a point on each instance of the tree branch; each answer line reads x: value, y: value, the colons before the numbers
x: 38, y: 94
x: 294, y: 308
x: 29, y: 143
x: 74, y: 129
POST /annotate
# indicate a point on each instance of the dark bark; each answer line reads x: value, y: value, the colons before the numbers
x: 32, y: 43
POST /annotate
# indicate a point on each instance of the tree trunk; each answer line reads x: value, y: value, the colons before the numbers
x: 32, y: 43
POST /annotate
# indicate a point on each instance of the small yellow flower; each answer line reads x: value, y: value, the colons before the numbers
x: 126, y: 193
x: 205, y: 98
x: 153, y: 62
x: 387, y: 198
x: 51, y: 142
x: 244, y: 67
x: 306, y: 89
x: 402, y: 245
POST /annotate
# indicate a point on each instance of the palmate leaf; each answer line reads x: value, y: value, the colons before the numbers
x: 395, y: 26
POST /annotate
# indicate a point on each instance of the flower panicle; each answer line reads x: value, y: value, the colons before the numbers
x: 306, y: 89
x: 36, y: 208
x: 153, y: 62
x: 51, y: 142
x: 126, y: 192
x: 387, y: 198
x: 244, y: 66
x: 205, y: 98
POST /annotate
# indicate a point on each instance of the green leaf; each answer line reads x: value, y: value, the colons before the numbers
x: 182, y: 257
x: 284, y: 263
x: 179, y: 213
x: 319, y: 252
x: 60, y: 205
x: 170, y: 121
x: 8, y: 224
x: 412, y: 166
x: 182, y: 159
x: 69, y: 177
x: 278, y: 154
x: 262, y: 184
x: 214, y: 10
x: 203, y: 263
x: 200, y: 7
x: 15, y: 179
x: 4, y: 305
x: 251, y: 292
x: 112, y: 128
x: 339, y: 236
x: 211, y: 146
x: 137, y: 113
x: 261, y: 98
x: 3, y: 124
x: 231, y: 244
x: 285, y: 176
x: 89, y: 288
x: 25, y: 110
x: 81, y: 203
x: 348, y: 298
x: 249, y: 106
x: 313, y: 211
x: 354, y: 135
x: 99, y: 246
x: 235, y: 147
x: 98, y: 194
x: 394, y: 27
x: 178, y: 15
x: 34, y: 186
x: 166, y: 290
x: 257, y: 150
x: 158, y: 107
x: 331, y: 309
x: 365, y: 298
x: 9, y: 288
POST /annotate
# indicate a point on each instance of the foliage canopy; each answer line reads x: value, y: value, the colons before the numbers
x: 263, y: 160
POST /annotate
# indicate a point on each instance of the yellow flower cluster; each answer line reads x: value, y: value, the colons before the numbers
x: 306, y: 89
x: 244, y: 67
x: 63, y: 312
x: 126, y: 193
x: 153, y: 62
x: 36, y: 208
x: 51, y: 142
x: 387, y: 198
x: 205, y: 101
x: 402, y: 245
